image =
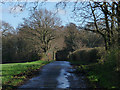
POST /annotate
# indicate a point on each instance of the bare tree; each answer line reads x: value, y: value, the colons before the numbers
x: 6, y: 28
x: 40, y: 28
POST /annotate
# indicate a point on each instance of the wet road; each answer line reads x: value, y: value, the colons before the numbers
x: 56, y: 75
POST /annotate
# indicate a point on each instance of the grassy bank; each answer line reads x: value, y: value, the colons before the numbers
x: 102, y: 74
x: 14, y: 74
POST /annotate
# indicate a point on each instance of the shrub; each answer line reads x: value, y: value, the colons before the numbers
x: 113, y: 57
x: 87, y: 54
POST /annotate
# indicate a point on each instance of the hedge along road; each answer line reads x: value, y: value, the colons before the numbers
x: 57, y: 74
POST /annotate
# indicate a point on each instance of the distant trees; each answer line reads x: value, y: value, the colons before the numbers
x: 72, y: 37
x: 76, y: 38
x: 6, y: 28
x: 14, y: 47
x: 59, y: 42
x: 90, y: 39
x: 7, y: 41
x: 31, y: 39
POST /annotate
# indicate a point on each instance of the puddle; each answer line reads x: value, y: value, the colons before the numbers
x: 68, y: 79
x: 62, y: 79
x: 57, y: 74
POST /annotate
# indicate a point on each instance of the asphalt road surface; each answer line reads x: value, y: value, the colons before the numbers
x: 54, y: 76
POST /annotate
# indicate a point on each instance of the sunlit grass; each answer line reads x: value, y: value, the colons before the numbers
x: 15, y: 73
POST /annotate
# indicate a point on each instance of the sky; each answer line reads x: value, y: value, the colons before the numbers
x: 15, y: 17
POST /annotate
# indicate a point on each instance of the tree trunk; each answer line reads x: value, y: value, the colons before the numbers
x: 113, y: 23
x: 118, y: 19
x: 107, y: 25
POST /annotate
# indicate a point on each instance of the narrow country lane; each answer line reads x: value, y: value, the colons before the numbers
x: 55, y: 75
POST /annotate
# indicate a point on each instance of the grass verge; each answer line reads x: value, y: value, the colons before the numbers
x: 14, y: 74
x: 100, y: 75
